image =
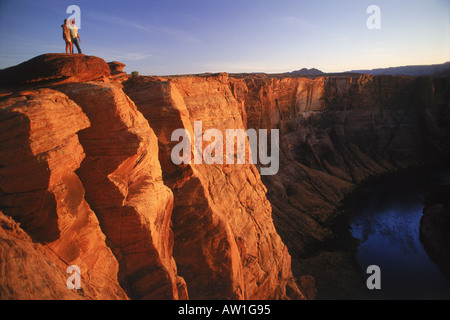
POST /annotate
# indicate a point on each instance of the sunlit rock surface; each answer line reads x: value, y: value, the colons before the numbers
x: 87, y: 178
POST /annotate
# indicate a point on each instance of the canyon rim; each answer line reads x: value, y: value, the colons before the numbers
x: 87, y: 179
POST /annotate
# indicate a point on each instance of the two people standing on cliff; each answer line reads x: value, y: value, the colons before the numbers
x: 71, y: 35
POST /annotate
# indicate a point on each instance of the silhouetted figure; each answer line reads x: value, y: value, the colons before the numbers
x: 67, y: 37
x: 75, y: 36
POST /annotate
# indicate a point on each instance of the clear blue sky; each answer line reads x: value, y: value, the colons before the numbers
x: 161, y: 37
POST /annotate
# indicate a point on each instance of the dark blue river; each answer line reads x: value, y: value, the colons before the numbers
x: 386, y: 221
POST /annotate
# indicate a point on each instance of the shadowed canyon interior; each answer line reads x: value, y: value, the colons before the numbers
x: 86, y: 178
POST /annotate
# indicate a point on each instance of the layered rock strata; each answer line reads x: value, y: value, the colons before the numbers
x: 87, y: 171
x: 98, y: 162
x: 39, y: 153
x: 122, y: 178
x: 335, y: 133
x: 221, y: 213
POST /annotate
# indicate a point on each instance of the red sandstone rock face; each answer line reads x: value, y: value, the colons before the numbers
x: 55, y: 67
x: 117, y: 73
x: 28, y: 270
x: 225, y: 244
x: 122, y: 178
x: 39, y: 153
x: 116, y: 67
x: 223, y: 251
x: 93, y: 184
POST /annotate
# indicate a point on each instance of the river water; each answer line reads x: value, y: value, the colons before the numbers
x: 386, y: 220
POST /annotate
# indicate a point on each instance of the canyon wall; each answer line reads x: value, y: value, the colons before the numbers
x: 221, y: 214
x: 87, y: 178
x: 336, y: 132
x: 85, y: 170
x: 434, y: 229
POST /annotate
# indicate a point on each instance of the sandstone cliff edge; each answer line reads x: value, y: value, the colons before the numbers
x: 86, y: 178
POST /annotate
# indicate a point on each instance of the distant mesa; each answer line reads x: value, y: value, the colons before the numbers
x: 438, y: 70
x: 308, y: 72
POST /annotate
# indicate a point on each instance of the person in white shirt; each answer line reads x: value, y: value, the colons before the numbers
x: 75, y: 35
